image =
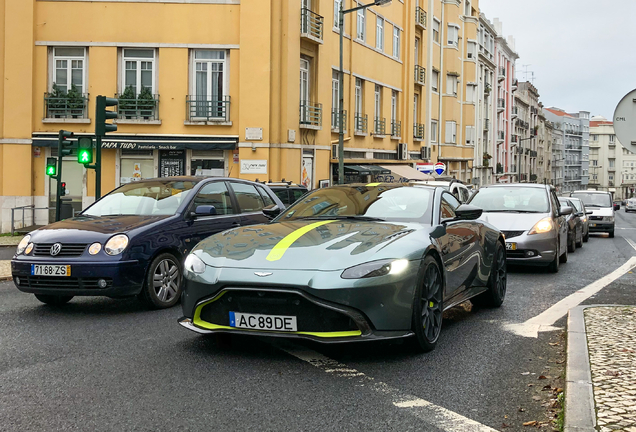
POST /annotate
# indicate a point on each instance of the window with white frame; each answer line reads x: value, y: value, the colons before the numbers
x: 436, y: 26
x: 379, y: 33
x: 361, y: 28
x: 470, y: 135
x: 209, y: 87
x: 416, y: 48
x: 467, y: 9
x: 396, y: 42
x: 471, y: 50
x: 138, y: 69
x: 433, y: 130
x: 416, y: 101
x: 451, y: 85
x: 337, y: 4
x: 394, y: 103
x: 435, y: 80
x: 612, y: 163
x: 452, y: 36
x: 451, y: 132
x: 611, y: 138
x: 471, y: 92
x: 358, y: 96
x: 377, y: 111
x: 335, y: 97
x: 69, y: 68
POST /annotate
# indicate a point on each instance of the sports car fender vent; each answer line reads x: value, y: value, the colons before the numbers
x: 398, y: 234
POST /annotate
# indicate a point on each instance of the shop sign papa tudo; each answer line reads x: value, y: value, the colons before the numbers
x: 137, y: 146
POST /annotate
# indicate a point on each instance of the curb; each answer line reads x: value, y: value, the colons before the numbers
x: 580, y: 409
x: 6, y: 278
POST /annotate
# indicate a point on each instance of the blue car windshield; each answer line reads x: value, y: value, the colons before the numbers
x: 363, y: 202
x: 148, y: 198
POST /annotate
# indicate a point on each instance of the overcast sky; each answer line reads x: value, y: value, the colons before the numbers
x: 582, y: 52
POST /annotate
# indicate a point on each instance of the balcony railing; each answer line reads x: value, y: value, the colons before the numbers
x: 204, y: 108
x: 420, y: 75
x: 533, y: 154
x: 379, y: 126
x: 311, y: 25
x: 310, y: 114
x: 335, y: 120
x: 420, y: 17
x: 514, y: 138
x: 65, y: 107
x: 362, y: 121
x: 515, y: 111
x: 418, y: 131
x: 396, y: 128
x: 138, y: 109
x: 501, y: 135
x: 502, y: 74
x: 501, y: 103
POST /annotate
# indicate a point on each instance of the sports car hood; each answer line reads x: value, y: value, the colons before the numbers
x: 512, y: 221
x: 311, y: 245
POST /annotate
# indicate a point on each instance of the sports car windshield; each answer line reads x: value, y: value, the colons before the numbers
x: 594, y: 199
x: 142, y: 199
x: 514, y: 199
x: 363, y: 202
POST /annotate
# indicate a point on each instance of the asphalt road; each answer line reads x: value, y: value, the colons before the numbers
x: 6, y: 252
x: 109, y: 365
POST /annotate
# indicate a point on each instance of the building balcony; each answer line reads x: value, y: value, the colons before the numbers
x: 420, y: 75
x: 501, y: 104
x: 379, y: 126
x: 487, y: 89
x: 66, y: 107
x: 207, y: 109
x: 396, y: 129
x: 502, y: 74
x: 335, y: 120
x: 361, y: 123
x: 501, y: 135
x: 611, y: 169
x: 515, y: 84
x: 310, y: 115
x: 515, y: 111
x: 514, y: 138
x: 418, y: 131
x: 138, y: 109
x: 420, y: 17
x: 311, y: 25
x: 533, y: 154
x: 486, y: 124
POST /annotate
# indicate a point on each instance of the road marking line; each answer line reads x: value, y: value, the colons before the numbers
x: 545, y: 320
x: 431, y: 414
x: 631, y: 242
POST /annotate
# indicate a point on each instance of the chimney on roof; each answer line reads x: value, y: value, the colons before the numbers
x: 498, y: 26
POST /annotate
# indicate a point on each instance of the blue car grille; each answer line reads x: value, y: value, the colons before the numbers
x: 68, y: 250
x: 53, y: 282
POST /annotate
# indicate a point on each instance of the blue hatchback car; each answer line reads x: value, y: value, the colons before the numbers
x: 133, y: 241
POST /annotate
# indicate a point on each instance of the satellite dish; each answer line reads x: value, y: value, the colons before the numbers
x: 625, y: 121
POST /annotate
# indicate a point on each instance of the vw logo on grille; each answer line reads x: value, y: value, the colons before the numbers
x: 56, y: 248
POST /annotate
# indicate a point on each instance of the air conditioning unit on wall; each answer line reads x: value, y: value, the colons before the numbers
x: 403, y: 151
x: 425, y: 153
x: 334, y: 151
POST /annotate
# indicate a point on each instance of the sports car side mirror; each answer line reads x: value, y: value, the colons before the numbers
x: 468, y: 212
x: 272, y: 211
x: 564, y: 211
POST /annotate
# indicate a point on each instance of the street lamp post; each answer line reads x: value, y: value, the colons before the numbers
x: 341, y: 82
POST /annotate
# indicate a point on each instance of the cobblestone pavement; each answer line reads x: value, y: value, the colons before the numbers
x: 611, y: 336
x: 5, y: 269
x: 10, y: 240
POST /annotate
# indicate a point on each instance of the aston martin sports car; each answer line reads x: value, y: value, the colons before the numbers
x: 347, y: 263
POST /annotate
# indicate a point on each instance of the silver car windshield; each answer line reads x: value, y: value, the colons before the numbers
x: 513, y: 199
x: 594, y: 199
x: 147, y: 198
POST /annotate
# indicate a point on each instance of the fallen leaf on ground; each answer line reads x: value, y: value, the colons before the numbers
x: 522, y: 409
x: 560, y: 361
x: 553, y: 343
x: 542, y: 377
x: 530, y: 385
x: 531, y: 423
x: 558, y: 390
x: 612, y: 373
x: 503, y: 425
x: 537, y: 398
x: 546, y: 387
x: 505, y: 416
x: 525, y: 373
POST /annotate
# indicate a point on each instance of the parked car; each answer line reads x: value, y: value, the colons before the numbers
x: 287, y: 192
x: 584, y: 213
x: 630, y: 205
x: 532, y: 220
x: 617, y: 205
x: 600, y: 203
x: 455, y: 187
x: 575, y: 225
x: 133, y: 240
x: 347, y: 263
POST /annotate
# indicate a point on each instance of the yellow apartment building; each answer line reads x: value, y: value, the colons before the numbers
x: 238, y: 88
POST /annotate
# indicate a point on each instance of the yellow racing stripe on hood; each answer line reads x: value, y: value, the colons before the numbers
x: 281, y: 247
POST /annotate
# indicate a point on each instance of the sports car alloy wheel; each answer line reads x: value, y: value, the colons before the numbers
x: 496, y: 292
x: 163, y: 284
x: 428, y: 307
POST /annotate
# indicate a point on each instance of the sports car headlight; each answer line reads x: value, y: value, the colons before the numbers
x: 23, y: 244
x: 543, y: 226
x: 116, y: 244
x: 375, y: 268
x: 194, y: 264
x: 608, y: 218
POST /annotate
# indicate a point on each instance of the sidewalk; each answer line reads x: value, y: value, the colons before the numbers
x: 5, y: 270
x: 10, y: 240
x: 610, y: 358
x: 5, y: 265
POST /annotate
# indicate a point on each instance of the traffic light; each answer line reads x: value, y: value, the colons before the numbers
x: 51, y: 166
x: 85, y: 150
x: 63, y: 189
x: 102, y: 115
x: 66, y: 146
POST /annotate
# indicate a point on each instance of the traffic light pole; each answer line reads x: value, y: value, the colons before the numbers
x: 98, y: 167
x: 58, y: 177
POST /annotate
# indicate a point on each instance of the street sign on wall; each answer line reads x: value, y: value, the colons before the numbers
x: 625, y: 121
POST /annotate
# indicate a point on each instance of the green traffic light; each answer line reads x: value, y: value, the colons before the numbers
x: 50, y: 170
x: 84, y: 156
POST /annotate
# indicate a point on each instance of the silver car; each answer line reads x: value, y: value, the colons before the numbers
x: 602, y: 217
x: 531, y: 218
x: 630, y: 205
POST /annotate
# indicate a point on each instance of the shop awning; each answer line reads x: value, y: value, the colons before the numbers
x: 404, y: 173
x: 365, y: 170
x: 151, y: 142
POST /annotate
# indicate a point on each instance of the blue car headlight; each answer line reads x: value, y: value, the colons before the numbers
x: 375, y: 268
x: 194, y: 264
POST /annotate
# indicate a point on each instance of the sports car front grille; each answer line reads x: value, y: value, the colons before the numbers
x: 310, y: 317
x: 53, y: 282
x: 67, y: 250
x: 511, y: 234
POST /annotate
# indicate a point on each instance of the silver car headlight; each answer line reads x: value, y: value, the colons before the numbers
x: 608, y: 218
x: 194, y: 264
x: 375, y: 268
x: 116, y: 244
x: 23, y: 244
